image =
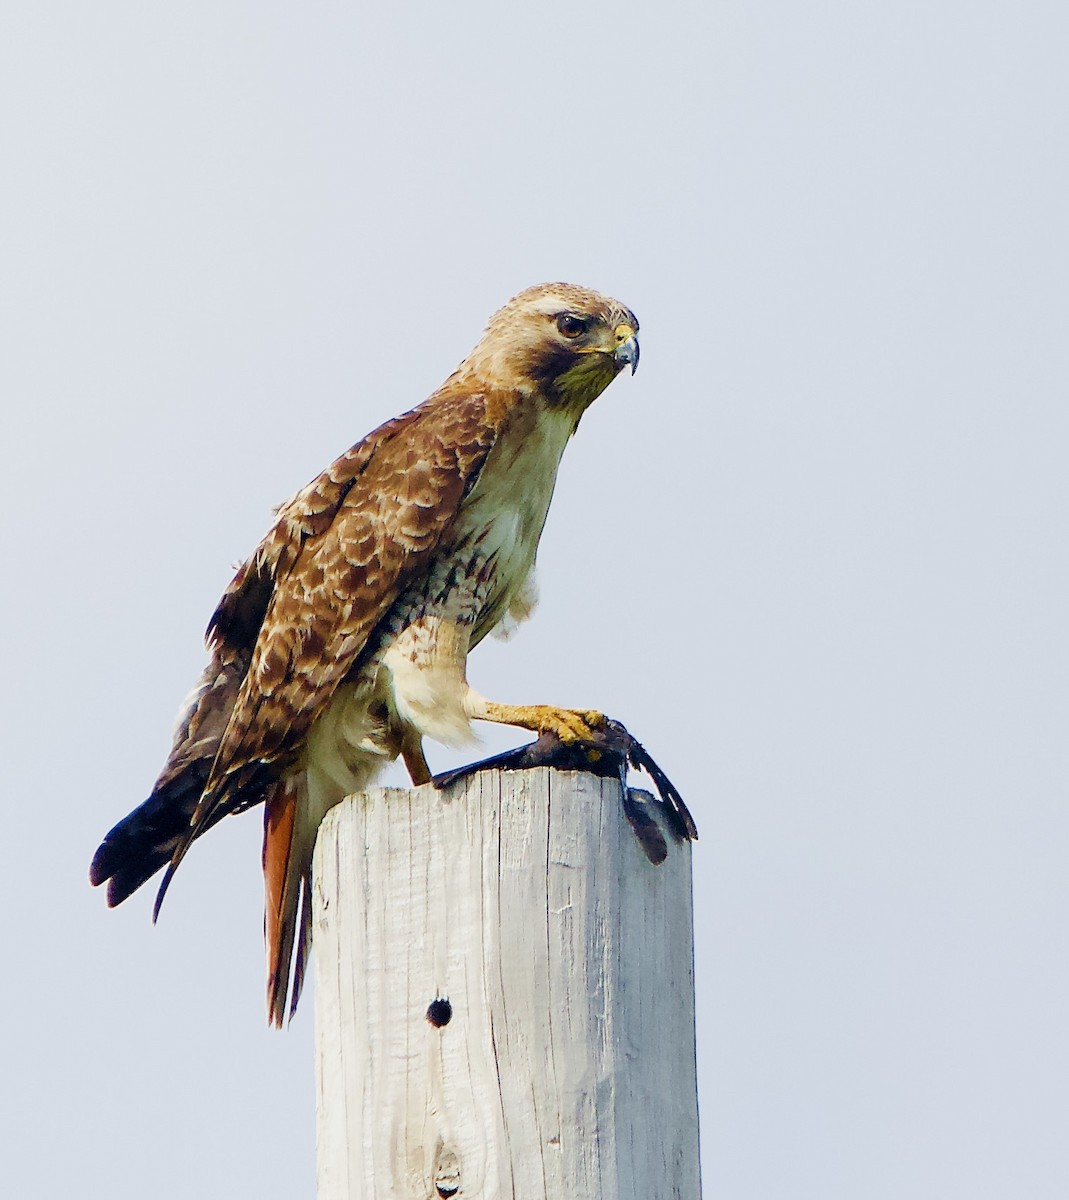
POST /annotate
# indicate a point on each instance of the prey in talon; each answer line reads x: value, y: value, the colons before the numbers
x: 607, y: 750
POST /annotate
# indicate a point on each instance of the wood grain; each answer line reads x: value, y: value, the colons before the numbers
x: 563, y: 1063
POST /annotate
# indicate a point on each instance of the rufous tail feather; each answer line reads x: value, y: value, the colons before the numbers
x: 287, y: 866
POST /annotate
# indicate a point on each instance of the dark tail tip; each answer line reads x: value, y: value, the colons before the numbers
x: 146, y: 840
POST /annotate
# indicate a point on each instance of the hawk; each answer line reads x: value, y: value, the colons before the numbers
x: 343, y: 641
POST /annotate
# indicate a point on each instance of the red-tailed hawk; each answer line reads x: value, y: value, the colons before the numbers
x: 343, y: 641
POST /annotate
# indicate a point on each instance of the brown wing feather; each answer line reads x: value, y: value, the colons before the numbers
x: 341, y: 552
x: 241, y: 610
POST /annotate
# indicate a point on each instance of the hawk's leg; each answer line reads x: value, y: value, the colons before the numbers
x: 412, y: 753
x: 569, y: 724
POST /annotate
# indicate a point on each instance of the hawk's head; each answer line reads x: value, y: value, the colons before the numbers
x: 566, y: 342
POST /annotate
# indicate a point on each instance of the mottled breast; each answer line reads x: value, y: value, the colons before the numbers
x: 478, y: 570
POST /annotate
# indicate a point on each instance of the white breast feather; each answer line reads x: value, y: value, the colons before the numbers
x: 424, y: 670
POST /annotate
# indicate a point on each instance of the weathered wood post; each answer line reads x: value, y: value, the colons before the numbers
x: 504, y: 998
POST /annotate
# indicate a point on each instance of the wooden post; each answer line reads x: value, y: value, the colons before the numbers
x: 504, y: 997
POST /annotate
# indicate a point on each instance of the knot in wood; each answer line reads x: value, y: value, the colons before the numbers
x: 439, y: 1012
x: 446, y: 1172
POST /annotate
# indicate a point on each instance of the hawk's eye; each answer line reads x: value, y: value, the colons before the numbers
x: 572, y: 326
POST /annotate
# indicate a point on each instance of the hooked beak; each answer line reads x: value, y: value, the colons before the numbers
x: 626, y: 352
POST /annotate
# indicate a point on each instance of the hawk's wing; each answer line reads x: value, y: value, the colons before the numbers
x: 309, y: 599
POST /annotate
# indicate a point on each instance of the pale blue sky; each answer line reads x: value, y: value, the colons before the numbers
x: 237, y: 236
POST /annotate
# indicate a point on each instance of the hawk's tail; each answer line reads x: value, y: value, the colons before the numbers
x: 294, y: 810
x: 151, y: 836
x: 289, y: 839
x: 143, y: 842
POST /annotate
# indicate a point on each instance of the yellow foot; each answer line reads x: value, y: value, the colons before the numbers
x: 569, y: 724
